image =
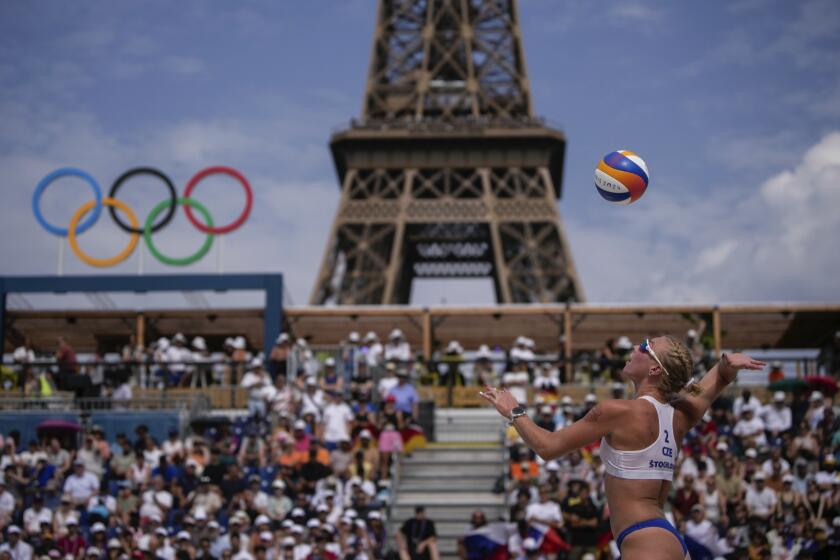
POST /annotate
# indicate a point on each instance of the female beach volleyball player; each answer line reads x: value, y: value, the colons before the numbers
x: 640, y: 438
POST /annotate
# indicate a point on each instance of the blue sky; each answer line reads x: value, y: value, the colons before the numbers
x: 735, y: 106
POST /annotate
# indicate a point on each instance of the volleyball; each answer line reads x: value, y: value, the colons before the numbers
x: 621, y: 177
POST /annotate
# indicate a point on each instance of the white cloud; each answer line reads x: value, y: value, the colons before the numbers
x: 779, y: 243
x: 183, y: 65
x: 633, y: 12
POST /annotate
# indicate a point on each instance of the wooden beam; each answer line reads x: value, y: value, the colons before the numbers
x: 140, y: 334
x: 716, y: 330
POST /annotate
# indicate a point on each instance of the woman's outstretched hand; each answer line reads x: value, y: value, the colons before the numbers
x: 731, y: 364
x: 501, y: 399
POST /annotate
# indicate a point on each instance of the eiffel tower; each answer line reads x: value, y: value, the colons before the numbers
x: 447, y: 174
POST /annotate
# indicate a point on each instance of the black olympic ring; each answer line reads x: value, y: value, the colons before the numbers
x: 170, y: 212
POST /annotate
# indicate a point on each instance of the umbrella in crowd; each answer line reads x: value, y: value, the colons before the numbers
x: 789, y: 385
x: 822, y: 383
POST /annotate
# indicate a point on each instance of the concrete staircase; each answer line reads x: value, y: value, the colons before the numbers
x: 453, y: 476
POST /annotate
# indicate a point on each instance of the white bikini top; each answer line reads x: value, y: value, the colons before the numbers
x: 654, y: 462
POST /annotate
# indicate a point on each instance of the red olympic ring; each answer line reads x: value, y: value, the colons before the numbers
x: 249, y: 199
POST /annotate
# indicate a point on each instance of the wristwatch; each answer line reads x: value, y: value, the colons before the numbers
x: 516, y: 413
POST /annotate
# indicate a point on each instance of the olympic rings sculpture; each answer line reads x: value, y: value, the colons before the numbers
x: 87, y: 215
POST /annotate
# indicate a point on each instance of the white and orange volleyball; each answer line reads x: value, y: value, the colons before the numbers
x: 621, y: 177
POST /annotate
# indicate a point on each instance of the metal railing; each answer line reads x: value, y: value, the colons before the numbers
x: 192, y: 404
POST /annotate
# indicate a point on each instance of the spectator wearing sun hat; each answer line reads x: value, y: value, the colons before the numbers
x: 777, y: 416
x: 449, y: 367
x: 17, y: 548
x: 254, y: 381
x: 374, y: 351
x: 760, y: 499
x: 397, y: 349
x: 816, y: 410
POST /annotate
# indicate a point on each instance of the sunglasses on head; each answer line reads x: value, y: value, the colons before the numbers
x: 648, y: 349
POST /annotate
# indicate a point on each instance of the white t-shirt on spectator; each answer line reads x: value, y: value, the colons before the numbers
x: 548, y: 510
x: 109, y: 502
x: 398, y: 352
x: 761, y: 503
x: 7, y: 503
x: 704, y: 532
x: 32, y: 519
x: 21, y: 551
x: 521, y: 355
x: 176, y: 356
x: 767, y: 466
x: 155, y: 503
x: 751, y: 428
x: 172, y: 448
x: 152, y: 457
x: 374, y: 354
x: 336, y: 417
x: 313, y: 403
x: 81, y: 488
x: 301, y: 551
x: 777, y: 419
x: 739, y: 404
x: 386, y: 384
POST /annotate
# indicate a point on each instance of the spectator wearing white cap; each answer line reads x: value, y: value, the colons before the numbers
x: 547, y: 380
x: 178, y: 355
x: 331, y: 380
x: 816, y: 410
x: 516, y: 381
x: 72, y: 542
x: 521, y: 351
x: 278, y: 358
x: 760, y: 500
x: 254, y: 381
x: 777, y: 416
x: 387, y: 381
x: 449, y: 366
x: 374, y: 351
x: 368, y: 446
x: 483, y: 371
x: 199, y: 373
x: 351, y: 354
x: 701, y: 529
x: 17, y: 548
x: 312, y: 400
x: 279, y: 504
x: 337, y: 420
x: 750, y: 428
x: 397, y: 349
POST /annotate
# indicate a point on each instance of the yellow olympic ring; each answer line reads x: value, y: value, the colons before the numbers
x: 74, y: 222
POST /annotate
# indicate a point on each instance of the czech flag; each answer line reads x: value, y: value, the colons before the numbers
x: 488, y: 542
x: 548, y: 541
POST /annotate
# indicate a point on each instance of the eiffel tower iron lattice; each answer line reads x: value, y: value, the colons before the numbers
x: 447, y: 174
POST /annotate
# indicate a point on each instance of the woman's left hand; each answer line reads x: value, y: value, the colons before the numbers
x: 501, y: 399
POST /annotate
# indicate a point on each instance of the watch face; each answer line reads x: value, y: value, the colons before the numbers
x: 518, y: 410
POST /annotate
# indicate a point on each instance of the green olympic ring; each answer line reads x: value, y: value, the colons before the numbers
x: 147, y: 233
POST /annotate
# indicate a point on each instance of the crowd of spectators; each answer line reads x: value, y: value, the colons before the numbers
x: 753, y: 480
x: 306, y: 474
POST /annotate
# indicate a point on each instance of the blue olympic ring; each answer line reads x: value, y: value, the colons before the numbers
x: 45, y: 182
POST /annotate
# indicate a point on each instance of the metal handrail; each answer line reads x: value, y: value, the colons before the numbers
x: 193, y: 404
